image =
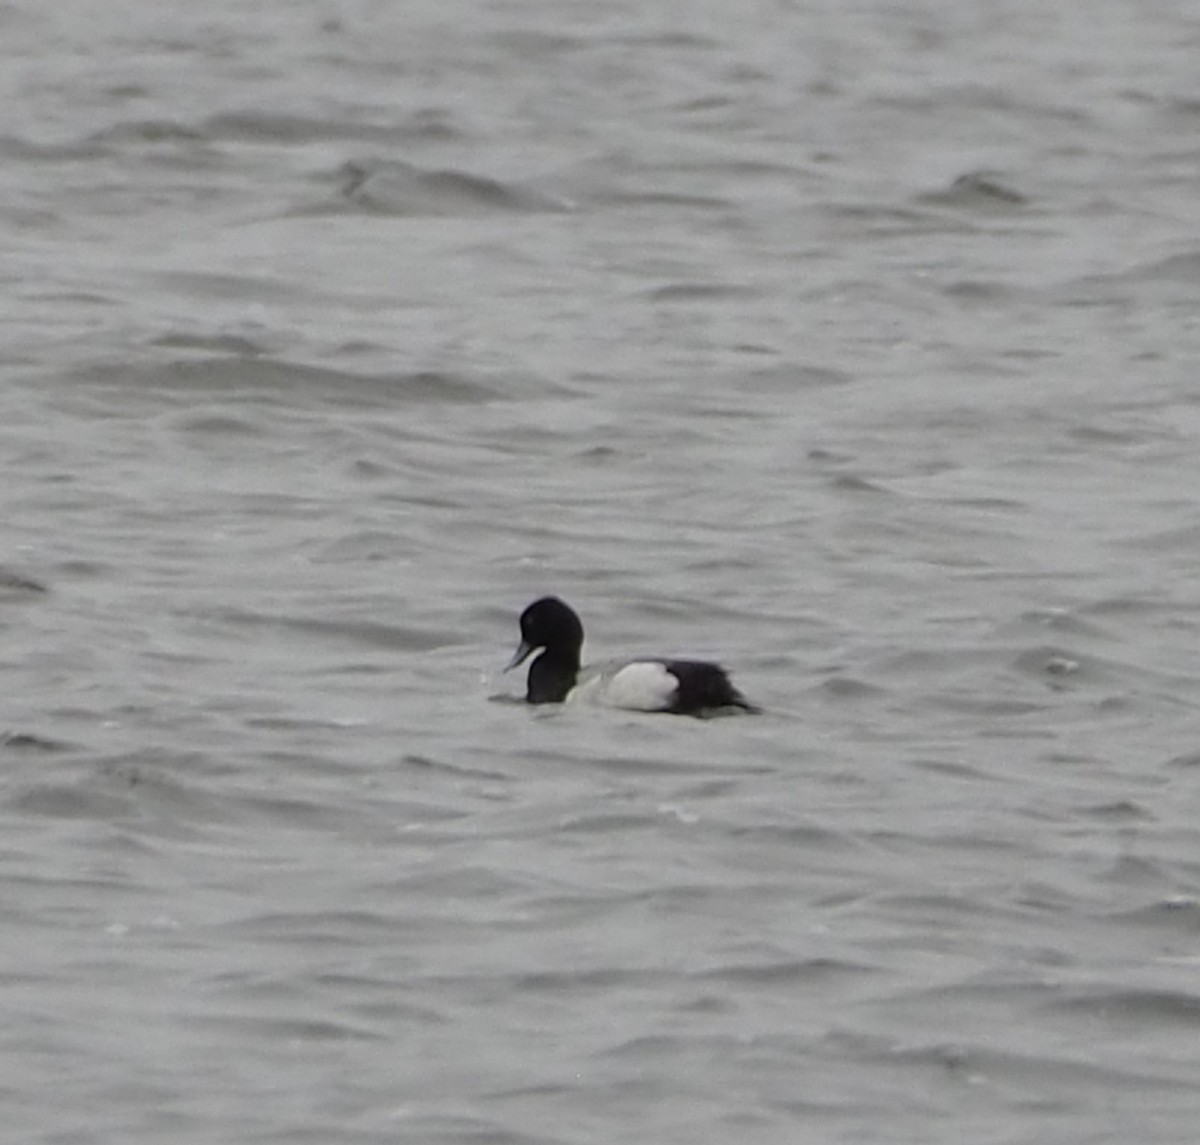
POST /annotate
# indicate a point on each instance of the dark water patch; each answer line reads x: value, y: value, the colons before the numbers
x: 445, y: 1129
x: 390, y: 187
x: 1091, y: 433
x: 789, y: 974
x: 463, y: 882
x: 1068, y: 621
x: 60, y: 899
x: 886, y: 220
x: 669, y: 37
x: 458, y: 771
x: 288, y: 1030
x: 328, y: 811
x: 724, y: 563
x: 977, y: 190
x: 146, y: 790
x: 1177, y: 916
x: 656, y: 197
x: 433, y: 124
x: 843, y: 687
x: 603, y: 455
x: 792, y: 378
x: 699, y: 292
x: 953, y: 769
x: 1173, y: 279
x: 1119, y: 811
x: 804, y: 835
x: 372, y: 471
x: 983, y: 504
x: 588, y: 981
x: 1187, y: 107
x: 823, y: 455
x: 371, y: 634
x: 907, y: 663
x: 250, y: 287
x: 59, y: 800
x: 154, y: 131
x: 710, y: 789
x: 1147, y: 604
x: 259, y: 126
x: 29, y: 742
x: 287, y: 382
x: 1181, y: 538
x: 1153, y: 1008
x: 537, y: 44
x: 222, y: 345
x: 17, y: 584
x: 631, y: 764
x: 693, y: 1053
x: 217, y: 423
x: 513, y: 699
x: 1045, y: 1073
x: 307, y: 727
x: 662, y: 1047
x: 373, y: 995
x: 1057, y: 666
x: 979, y: 292
x: 1183, y: 267
x: 856, y: 483
x: 610, y: 823
x: 1146, y: 876
x: 949, y: 914
x: 758, y: 349
x: 1062, y: 670
x: 702, y: 105
x: 364, y: 544
x: 362, y: 347
x: 348, y: 928
x: 21, y: 150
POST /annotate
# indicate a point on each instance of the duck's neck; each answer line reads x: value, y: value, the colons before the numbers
x: 551, y: 676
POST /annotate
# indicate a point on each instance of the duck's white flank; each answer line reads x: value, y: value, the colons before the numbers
x: 642, y: 686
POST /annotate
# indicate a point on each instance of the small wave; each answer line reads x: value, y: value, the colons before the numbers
x: 395, y: 188
x: 1174, y: 268
x: 368, y: 633
x: 1057, y: 663
x: 1154, y: 1007
x: 1179, y: 916
x: 699, y: 292
x: 28, y: 741
x: 334, y: 927
x: 249, y: 126
x: 976, y: 189
x: 231, y: 344
x: 149, y: 131
x: 11, y: 582
x: 1032, y: 1071
x: 274, y: 377
x: 289, y: 1031
x: 656, y: 197
x: 786, y: 974
x: 279, y: 127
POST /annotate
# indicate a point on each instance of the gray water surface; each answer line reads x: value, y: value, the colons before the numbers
x: 854, y: 346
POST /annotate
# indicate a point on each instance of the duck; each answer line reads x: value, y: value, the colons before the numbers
x: 681, y: 687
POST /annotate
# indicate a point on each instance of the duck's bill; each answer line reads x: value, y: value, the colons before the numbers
x: 523, y: 652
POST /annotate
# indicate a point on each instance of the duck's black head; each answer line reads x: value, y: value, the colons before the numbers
x: 551, y: 625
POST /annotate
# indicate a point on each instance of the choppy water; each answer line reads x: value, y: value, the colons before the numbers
x: 854, y: 345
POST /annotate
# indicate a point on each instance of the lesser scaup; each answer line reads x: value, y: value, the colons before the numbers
x: 685, y: 687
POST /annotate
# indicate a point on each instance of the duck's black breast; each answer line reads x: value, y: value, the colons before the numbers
x: 551, y: 677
